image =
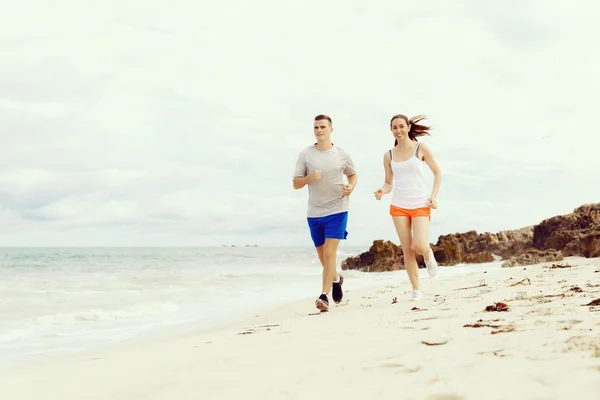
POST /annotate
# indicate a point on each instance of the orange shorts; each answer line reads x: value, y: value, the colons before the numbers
x: 410, y: 213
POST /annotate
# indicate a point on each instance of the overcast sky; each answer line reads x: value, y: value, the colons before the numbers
x: 140, y: 122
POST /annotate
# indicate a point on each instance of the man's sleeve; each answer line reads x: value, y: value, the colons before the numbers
x: 349, y: 170
x: 300, y: 170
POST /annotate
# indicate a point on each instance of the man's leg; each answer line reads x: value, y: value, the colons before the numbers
x: 335, y: 230
x: 329, y: 263
x: 320, y: 254
x: 317, y: 233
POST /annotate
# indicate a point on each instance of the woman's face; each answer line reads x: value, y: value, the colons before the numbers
x: 400, y: 129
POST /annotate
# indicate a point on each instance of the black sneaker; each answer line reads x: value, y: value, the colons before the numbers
x: 322, y: 303
x: 336, y: 291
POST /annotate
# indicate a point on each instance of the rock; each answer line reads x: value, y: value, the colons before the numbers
x: 471, y: 247
x: 533, y: 256
x: 574, y: 234
x: 382, y: 256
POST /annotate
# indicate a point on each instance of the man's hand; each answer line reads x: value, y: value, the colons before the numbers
x: 315, y: 175
x: 347, y: 189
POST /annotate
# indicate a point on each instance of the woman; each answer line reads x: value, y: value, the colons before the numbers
x: 411, y: 204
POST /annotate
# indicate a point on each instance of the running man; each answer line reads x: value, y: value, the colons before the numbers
x: 321, y: 166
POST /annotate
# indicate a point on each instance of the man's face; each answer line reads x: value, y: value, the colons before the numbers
x: 322, y: 130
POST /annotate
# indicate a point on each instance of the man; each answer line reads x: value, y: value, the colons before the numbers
x: 321, y: 167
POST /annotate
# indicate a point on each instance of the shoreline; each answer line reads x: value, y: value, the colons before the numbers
x: 196, y: 326
x: 367, y: 345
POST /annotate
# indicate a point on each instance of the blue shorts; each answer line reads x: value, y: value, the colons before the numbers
x: 331, y: 226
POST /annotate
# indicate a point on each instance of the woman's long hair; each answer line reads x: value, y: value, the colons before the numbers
x: 416, y: 129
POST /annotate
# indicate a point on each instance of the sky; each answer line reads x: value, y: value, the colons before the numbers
x: 153, y: 123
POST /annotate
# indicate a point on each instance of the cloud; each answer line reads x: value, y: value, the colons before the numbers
x: 147, y: 123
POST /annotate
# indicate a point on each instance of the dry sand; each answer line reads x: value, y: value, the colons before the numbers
x: 547, y: 346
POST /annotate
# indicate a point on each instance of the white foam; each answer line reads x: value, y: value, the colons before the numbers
x: 68, y: 300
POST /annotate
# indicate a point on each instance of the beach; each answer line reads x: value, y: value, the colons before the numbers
x: 542, y: 343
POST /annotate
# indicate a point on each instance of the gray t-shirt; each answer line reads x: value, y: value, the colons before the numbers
x: 325, y: 196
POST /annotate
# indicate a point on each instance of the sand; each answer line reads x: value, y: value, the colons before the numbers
x: 546, y: 346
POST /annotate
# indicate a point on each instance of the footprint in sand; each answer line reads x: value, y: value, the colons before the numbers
x: 542, y: 311
x: 568, y: 325
x: 445, y: 397
x: 400, y: 368
x: 570, y: 322
x: 584, y: 343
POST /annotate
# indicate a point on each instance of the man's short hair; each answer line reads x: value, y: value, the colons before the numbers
x: 322, y: 117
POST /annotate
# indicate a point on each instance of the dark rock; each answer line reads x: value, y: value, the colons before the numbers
x: 533, y: 256
x: 574, y: 234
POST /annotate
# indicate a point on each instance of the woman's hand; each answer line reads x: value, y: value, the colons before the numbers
x: 433, y: 203
x: 379, y: 194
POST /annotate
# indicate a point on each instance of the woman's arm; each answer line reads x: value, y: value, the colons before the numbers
x: 389, y: 175
x: 434, y: 167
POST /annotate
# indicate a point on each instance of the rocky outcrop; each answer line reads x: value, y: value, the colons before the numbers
x: 382, y: 256
x: 574, y: 234
x: 471, y: 247
x: 533, y: 256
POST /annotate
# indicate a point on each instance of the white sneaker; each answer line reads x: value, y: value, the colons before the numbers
x: 432, y: 266
x: 416, y: 295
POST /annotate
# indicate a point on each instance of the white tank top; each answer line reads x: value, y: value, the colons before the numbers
x: 410, y: 191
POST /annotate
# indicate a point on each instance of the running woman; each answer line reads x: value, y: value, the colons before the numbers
x: 411, y: 203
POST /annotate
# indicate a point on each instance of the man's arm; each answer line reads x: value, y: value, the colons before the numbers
x: 301, y: 178
x: 352, y: 179
x: 347, y: 189
x: 301, y: 181
x: 350, y: 172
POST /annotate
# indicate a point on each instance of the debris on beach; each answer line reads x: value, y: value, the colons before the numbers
x: 576, y: 289
x: 505, y: 329
x: 482, y: 324
x: 481, y: 284
x: 559, y: 266
x: 247, y: 332
x: 498, y: 328
x: 499, y: 306
x: 269, y: 326
x: 418, y: 309
x: 394, y: 300
x: 593, y: 303
x: 494, y: 352
x: 434, y: 343
x: 525, y: 281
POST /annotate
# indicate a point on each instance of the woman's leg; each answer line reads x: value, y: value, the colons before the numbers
x: 403, y: 228
x: 421, y: 243
x: 421, y: 237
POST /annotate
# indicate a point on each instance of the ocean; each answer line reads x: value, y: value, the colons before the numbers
x: 59, y: 300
